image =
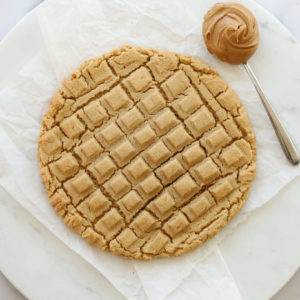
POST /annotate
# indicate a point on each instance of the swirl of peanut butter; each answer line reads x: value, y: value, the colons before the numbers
x: 230, y: 31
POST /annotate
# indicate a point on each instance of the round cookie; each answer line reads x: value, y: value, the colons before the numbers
x: 146, y: 153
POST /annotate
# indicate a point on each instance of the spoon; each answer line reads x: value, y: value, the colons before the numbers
x: 230, y: 31
x: 285, y: 140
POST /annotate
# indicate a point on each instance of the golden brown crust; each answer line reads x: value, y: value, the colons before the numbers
x: 146, y: 153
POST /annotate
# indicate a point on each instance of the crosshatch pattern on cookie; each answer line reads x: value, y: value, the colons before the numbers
x: 170, y: 171
x: 164, y: 121
x: 163, y: 205
x: 102, y: 168
x: 130, y: 120
x: 65, y: 167
x: 187, y: 103
x: 146, y: 153
x: 94, y: 114
x: 152, y: 102
x: 205, y: 172
x: 130, y: 204
x: 137, y: 170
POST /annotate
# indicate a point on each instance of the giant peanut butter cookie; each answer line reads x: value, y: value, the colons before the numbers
x: 146, y: 153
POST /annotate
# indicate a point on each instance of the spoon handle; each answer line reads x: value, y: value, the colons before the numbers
x: 286, y: 142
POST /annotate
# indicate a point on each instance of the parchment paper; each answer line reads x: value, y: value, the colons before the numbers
x: 76, y: 31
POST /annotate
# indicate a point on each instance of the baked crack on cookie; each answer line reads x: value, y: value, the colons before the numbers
x: 146, y: 153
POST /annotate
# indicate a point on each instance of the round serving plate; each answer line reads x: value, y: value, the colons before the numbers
x: 262, y: 253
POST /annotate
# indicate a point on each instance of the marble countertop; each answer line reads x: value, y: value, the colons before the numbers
x: 286, y: 11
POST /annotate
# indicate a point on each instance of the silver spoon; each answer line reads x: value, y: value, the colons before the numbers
x: 285, y: 140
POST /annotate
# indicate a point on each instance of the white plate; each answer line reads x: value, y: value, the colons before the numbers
x: 262, y: 253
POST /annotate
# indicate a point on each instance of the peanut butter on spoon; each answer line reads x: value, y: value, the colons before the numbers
x: 230, y: 31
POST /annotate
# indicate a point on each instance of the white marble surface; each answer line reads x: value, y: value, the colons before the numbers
x: 286, y: 11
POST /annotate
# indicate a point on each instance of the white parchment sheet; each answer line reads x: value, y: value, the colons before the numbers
x: 76, y: 31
